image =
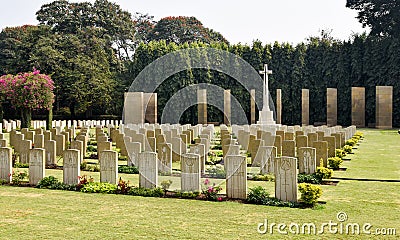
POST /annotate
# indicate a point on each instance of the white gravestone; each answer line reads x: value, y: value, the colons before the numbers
x: 36, y: 165
x: 191, y: 173
x: 286, y: 179
x: 148, y: 170
x: 268, y: 155
x: 108, y: 166
x: 236, y: 177
x: 71, y: 169
x: 6, y: 164
x: 307, y: 160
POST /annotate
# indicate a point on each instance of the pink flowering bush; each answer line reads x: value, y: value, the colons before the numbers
x: 27, y: 92
x: 211, y: 191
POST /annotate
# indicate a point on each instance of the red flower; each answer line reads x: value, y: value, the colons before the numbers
x: 219, y: 199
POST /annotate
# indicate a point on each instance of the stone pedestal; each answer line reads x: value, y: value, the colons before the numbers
x: 227, y: 107
x: 331, y: 107
x: 305, y: 107
x: 384, y: 107
x: 202, y: 106
x: 358, y: 106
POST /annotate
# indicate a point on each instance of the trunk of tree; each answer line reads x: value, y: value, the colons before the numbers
x: 49, y: 119
x: 26, y: 118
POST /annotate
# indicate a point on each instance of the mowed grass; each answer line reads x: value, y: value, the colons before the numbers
x: 29, y: 213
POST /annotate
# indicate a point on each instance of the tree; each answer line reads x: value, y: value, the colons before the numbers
x: 27, y: 92
x: 381, y: 16
x: 183, y: 29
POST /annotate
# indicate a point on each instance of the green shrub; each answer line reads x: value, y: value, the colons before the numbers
x: 128, y: 169
x: 97, y: 187
x: 335, y: 162
x: 261, y: 177
x: 310, y: 193
x: 165, y: 185
x: 21, y: 165
x: 210, y: 191
x: 212, y: 158
x: 259, y: 195
x: 49, y: 182
x: 359, y: 134
x: 219, y: 154
x: 324, y: 173
x: 19, y: 177
x: 309, y: 178
x: 146, y: 192
x: 215, y: 171
x: 216, y: 147
x: 340, y: 153
x: 187, y: 195
x: 351, y: 142
x: 91, y: 148
x: 347, y: 148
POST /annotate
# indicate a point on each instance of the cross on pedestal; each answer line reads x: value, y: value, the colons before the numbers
x: 265, y: 72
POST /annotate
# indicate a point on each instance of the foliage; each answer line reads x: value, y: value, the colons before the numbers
x: 99, y: 187
x: 187, y: 195
x: 310, y: 193
x: 324, y: 173
x: 128, y: 169
x: 123, y: 186
x: 381, y: 16
x: 340, y: 153
x: 91, y: 148
x: 309, y: 178
x: 261, y: 177
x: 19, y: 177
x: 212, y: 158
x: 21, y: 165
x: 146, y: 192
x: 347, y: 148
x: 351, y: 142
x: 50, y: 182
x: 210, y: 191
x: 165, y: 185
x: 90, y: 167
x: 259, y: 195
x: 335, y: 162
x: 215, y: 171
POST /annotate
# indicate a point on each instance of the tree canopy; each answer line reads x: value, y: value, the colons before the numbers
x: 383, y: 17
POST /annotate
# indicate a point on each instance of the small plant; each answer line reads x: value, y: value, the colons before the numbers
x: 187, y: 195
x: 348, y: 149
x: 98, y: 187
x: 351, y: 142
x: 335, y: 162
x: 146, y: 192
x: 49, y: 182
x: 261, y: 177
x: 21, y: 165
x: 257, y: 195
x: 212, y: 158
x: 128, y: 169
x: 165, y: 185
x: 340, y: 153
x: 91, y: 148
x: 310, y: 193
x: 215, y: 171
x: 83, y: 180
x: 323, y: 173
x: 309, y: 178
x: 123, y: 186
x: 19, y: 177
x: 216, y: 147
x: 211, y: 191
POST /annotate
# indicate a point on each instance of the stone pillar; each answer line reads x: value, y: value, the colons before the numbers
x: 331, y: 106
x: 305, y: 107
x: 227, y: 107
x: 253, y: 106
x: 384, y: 107
x: 133, y: 108
x: 358, y: 106
x: 150, y: 107
x: 279, y: 106
x: 202, y: 106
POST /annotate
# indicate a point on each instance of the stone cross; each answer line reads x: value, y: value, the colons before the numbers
x: 265, y: 72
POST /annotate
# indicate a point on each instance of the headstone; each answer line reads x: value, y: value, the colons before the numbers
x: 307, y: 160
x: 78, y: 145
x: 47, y: 136
x: 191, y: 173
x: 289, y: 148
x: 268, y: 154
x: 134, y: 148
x: 148, y: 170
x: 301, y: 141
x: 60, y: 142
x: 3, y: 143
x: 84, y: 139
x: 165, y: 158
x: 176, y: 149
x: 202, y: 106
x: 286, y: 179
x: 150, y: 107
x: 331, y: 145
x: 50, y: 148
x: 331, y: 102
x: 289, y: 136
x: 278, y: 145
x: 322, y: 152
x: 25, y: 146
x: 6, y: 164
x: 39, y: 141
x: 108, y: 166
x: 36, y: 165
x: 384, y: 107
x: 305, y: 107
x: 312, y: 137
x: 71, y: 166
x: 236, y: 177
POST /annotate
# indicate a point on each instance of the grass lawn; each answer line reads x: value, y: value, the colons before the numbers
x: 29, y: 213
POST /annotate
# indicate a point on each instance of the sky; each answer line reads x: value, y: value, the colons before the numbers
x: 291, y: 21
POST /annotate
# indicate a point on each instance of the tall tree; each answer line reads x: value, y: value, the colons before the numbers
x: 383, y: 17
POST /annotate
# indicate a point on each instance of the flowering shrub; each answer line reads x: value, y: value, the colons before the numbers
x: 19, y: 177
x: 211, y: 191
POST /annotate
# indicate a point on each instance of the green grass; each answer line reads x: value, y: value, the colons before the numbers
x: 37, y: 214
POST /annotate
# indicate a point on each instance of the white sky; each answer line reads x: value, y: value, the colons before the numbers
x: 290, y: 21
